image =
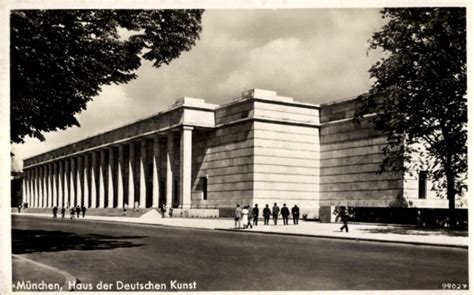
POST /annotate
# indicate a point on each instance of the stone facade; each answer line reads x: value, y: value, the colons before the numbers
x: 261, y: 148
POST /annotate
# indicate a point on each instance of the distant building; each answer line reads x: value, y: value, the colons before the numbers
x: 261, y: 148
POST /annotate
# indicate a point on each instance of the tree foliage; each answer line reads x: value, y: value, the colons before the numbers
x: 60, y: 59
x: 419, y: 93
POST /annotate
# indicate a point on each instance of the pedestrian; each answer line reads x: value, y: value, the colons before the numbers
x: 137, y: 205
x: 125, y: 207
x: 255, y: 214
x: 285, y: 212
x: 83, y: 209
x: 266, y: 214
x: 163, y: 209
x: 275, y: 212
x: 250, y: 221
x: 63, y: 212
x: 19, y: 208
x: 237, y: 216
x: 78, y: 211
x: 55, y: 212
x: 344, y: 216
x: 170, y: 211
x: 295, y: 212
x: 72, y: 211
x: 245, y: 216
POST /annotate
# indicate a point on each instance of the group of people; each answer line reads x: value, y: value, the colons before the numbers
x: 164, y: 208
x: 248, y: 217
x: 73, y: 211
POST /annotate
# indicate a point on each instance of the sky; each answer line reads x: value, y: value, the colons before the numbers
x: 312, y: 55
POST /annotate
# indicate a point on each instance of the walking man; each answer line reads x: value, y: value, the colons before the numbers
x: 83, y: 209
x: 295, y: 212
x: 255, y: 214
x: 78, y: 211
x: 285, y: 212
x: 63, y: 212
x: 266, y: 214
x: 237, y: 216
x: 344, y: 216
x: 55, y: 212
x: 275, y: 212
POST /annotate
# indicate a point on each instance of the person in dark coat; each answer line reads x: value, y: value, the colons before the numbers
x: 266, y: 214
x: 72, y: 211
x: 78, y: 211
x: 344, y: 216
x: 285, y: 212
x: 55, y: 212
x: 162, y: 209
x: 19, y: 208
x: 275, y: 212
x: 83, y: 209
x: 255, y: 214
x: 295, y: 212
x: 63, y: 212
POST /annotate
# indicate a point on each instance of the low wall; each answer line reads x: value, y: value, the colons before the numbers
x: 195, y: 213
x: 423, y: 217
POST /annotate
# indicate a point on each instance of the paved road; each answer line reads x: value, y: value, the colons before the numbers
x: 110, y: 252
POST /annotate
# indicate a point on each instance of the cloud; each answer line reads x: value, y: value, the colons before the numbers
x: 313, y: 55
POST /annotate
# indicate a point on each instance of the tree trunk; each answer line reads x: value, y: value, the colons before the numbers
x: 451, y: 194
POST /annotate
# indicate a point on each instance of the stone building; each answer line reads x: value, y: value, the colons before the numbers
x: 258, y: 149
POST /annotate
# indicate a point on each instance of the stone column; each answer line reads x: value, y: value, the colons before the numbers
x: 72, y: 184
x: 156, y: 172
x: 67, y: 185
x: 30, y: 187
x: 120, y: 183
x: 24, y: 194
x: 60, y: 184
x: 86, y: 172
x: 169, y: 169
x: 142, y: 188
x: 36, y: 187
x: 49, y: 200
x: 43, y: 186
x: 93, y: 180
x: 131, y: 175
x: 101, y: 179
x: 55, y: 187
x: 80, y: 181
x: 185, y: 161
x: 110, y: 179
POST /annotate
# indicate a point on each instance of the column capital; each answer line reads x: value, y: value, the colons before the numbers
x: 186, y: 127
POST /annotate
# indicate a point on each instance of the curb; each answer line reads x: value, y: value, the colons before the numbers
x: 348, y: 238
x: 67, y: 276
x: 288, y: 234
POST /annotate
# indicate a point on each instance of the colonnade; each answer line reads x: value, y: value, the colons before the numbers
x: 115, y: 176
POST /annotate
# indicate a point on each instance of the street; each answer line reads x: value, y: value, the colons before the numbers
x: 209, y: 260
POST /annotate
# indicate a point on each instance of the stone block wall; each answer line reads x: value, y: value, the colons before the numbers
x: 351, y: 154
x: 225, y: 156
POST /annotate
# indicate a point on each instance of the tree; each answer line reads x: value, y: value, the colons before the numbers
x: 60, y: 59
x: 419, y: 93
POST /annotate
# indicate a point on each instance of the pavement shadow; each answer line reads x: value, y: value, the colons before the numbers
x: 26, y: 241
x: 414, y: 231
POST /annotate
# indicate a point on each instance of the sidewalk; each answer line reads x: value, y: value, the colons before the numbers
x: 359, y: 232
